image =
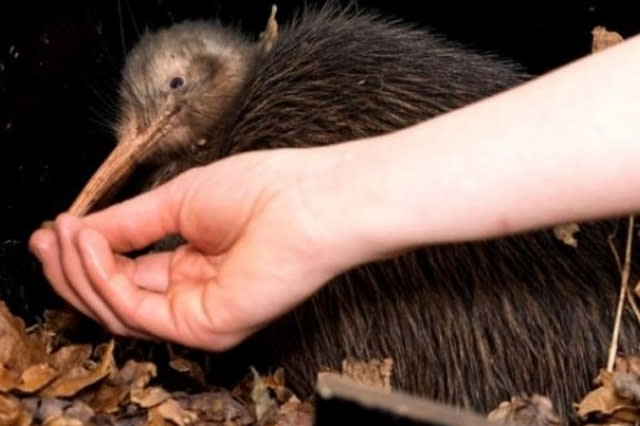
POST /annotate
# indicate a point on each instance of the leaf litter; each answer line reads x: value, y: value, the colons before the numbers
x: 45, y: 383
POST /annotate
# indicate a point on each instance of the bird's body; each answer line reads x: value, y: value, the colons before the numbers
x: 470, y: 324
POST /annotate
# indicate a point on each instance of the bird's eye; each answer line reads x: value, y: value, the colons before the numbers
x: 176, y: 83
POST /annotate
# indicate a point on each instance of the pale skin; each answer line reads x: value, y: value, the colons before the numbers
x: 267, y: 229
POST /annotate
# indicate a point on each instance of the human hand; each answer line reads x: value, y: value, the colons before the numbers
x: 255, y: 248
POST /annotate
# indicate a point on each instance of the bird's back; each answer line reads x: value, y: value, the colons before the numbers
x: 337, y: 74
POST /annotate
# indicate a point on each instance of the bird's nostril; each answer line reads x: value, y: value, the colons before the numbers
x: 176, y: 83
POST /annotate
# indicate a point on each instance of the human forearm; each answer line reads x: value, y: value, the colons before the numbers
x: 563, y: 147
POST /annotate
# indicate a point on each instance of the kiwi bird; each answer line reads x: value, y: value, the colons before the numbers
x: 469, y: 324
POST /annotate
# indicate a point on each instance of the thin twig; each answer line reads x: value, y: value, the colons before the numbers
x: 612, y: 246
x: 632, y: 302
x: 613, y: 349
x: 630, y: 296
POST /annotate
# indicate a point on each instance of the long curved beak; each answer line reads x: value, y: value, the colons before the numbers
x: 117, y: 167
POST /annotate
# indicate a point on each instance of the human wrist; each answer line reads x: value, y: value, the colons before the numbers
x: 341, y: 188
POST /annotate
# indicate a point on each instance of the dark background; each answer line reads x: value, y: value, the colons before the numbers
x: 59, y: 64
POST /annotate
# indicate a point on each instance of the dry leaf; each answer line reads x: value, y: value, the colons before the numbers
x: 9, y: 379
x: 293, y: 413
x: 62, y: 421
x: 269, y: 36
x: 171, y: 410
x: 628, y: 365
x: 79, y: 377
x: 566, y: 233
x: 154, y: 418
x: 79, y: 410
x: 44, y: 408
x: 603, y: 39
x: 531, y: 411
x: 190, y: 368
x: 107, y: 398
x: 70, y: 356
x: 149, y: 397
x: 218, y: 407
x: 261, y: 396
x: 55, y: 322
x: 373, y: 373
x: 18, y: 350
x: 605, y: 403
x: 36, y: 377
x: 627, y: 386
x: 637, y: 289
x: 13, y: 413
x: 122, y: 384
x: 134, y: 374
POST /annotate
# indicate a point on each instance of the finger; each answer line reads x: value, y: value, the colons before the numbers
x: 128, y: 225
x: 150, y: 271
x: 44, y: 245
x: 67, y: 227
x: 177, y: 316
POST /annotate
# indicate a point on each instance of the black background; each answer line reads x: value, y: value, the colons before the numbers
x: 59, y: 64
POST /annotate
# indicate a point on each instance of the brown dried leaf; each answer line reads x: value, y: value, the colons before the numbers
x: 603, y: 39
x: 171, y: 410
x: 374, y: 372
x: 261, y: 396
x: 605, y: 403
x: 18, y: 350
x: 9, y: 379
x: 627, y: 386
x: 117, y: 389
x: 566, y: 233
x: 154, y: 418
x: 190, y: 368
x: 276, y: 383
x: 276, y: 379
x: 44, y: 408
x: 134, y: 374
x: 220, y: 407
x: 627, y: 365
x: 293, y: 413
x: 13, y: 413
x: 243, y: 389
x: 79, y: 377
x: 536, y: 410
x: 36, y: 377
x: 107, y: 398
x: 79, y: 410
x: 637, y: 289
x: 62, y: 421
x: 270, y: 34
x: 22, y: 356
x: 149, y: 397
x: 57, y: 321
x: 70, y: 356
